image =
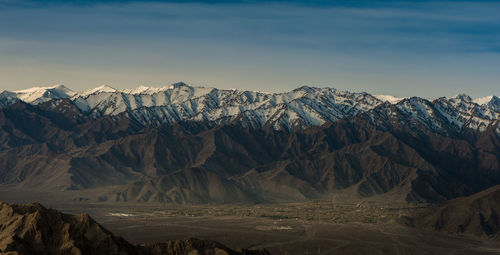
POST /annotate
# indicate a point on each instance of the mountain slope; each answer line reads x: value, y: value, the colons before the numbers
x: 194, y: 185
x: 68, y: 150
x: 33, y: 229
x: 278, y: 167
x: 478, y: 215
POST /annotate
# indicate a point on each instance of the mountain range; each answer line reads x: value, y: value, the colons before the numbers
x: 303, y: 107
x: 187, y: 144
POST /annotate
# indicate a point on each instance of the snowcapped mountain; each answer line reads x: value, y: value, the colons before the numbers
x: 299, y: 108
x: 100, y: 89
x: 38, y: 95
x: 7, y: 98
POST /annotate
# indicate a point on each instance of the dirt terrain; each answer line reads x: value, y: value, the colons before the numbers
x: 297, y: 237
x: 319, y: 227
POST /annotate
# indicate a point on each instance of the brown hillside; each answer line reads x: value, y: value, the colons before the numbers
x: 477, y: 215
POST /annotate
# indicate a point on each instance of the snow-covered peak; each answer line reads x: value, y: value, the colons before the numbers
x: 389, y: 98
x: 37, y: 95
x: 485, y: 100
x: 100, y: 89
x: 493, y: 103
x: 463, y: 97
x: 146, y: 90
x: 143, y: 90
x: 6, y: 93
x: 179, y: 85
x: 7, y: 98
x: 487, y: 106
x: 140, y: 89
x: 306, y: 89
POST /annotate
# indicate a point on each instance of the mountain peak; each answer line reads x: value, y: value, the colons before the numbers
x: 389, y: 98
x: 61, y: 86
x: 103, y: 88
x: 140, y: 89
x: 463, y: 97
x: 306, y: 89
x: 42, y: 94
x: 493, y: 103
x: 179, y: 85
x: 147, y: 90
x: 485, y: 100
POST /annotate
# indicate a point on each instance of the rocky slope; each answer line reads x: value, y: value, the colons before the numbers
x: 478, y: 215
x: 193, y: 185
x: 280, y: 167
x: 34, y: 229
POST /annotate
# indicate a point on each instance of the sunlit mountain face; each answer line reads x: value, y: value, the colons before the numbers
x: 297, y: 109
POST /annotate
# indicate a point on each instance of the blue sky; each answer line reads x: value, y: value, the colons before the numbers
x: 423, y: 48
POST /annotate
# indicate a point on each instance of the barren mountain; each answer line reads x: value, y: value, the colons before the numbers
x: 477, y: 215
x: 194, y: 185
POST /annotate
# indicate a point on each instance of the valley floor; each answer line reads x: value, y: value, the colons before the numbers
x: 297, y: 237
x: 318, y: 227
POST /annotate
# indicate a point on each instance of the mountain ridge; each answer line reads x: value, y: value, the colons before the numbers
x: 297, y: 109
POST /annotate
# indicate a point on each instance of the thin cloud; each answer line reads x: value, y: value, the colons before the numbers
x: 433, y: 27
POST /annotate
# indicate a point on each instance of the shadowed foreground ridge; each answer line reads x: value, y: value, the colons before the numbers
x: 34, y: 229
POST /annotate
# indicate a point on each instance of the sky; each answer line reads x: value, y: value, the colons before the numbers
x: 414, y: 48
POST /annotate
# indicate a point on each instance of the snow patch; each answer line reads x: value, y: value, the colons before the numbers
x: 389, y: 98
x: 37, y: 95
x: 482, y: 100
x: 102, y: 88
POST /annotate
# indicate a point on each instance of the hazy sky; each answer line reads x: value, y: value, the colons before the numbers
x: 423, y: 48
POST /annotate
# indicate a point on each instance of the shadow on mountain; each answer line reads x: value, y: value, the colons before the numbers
x: 48, y: 148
